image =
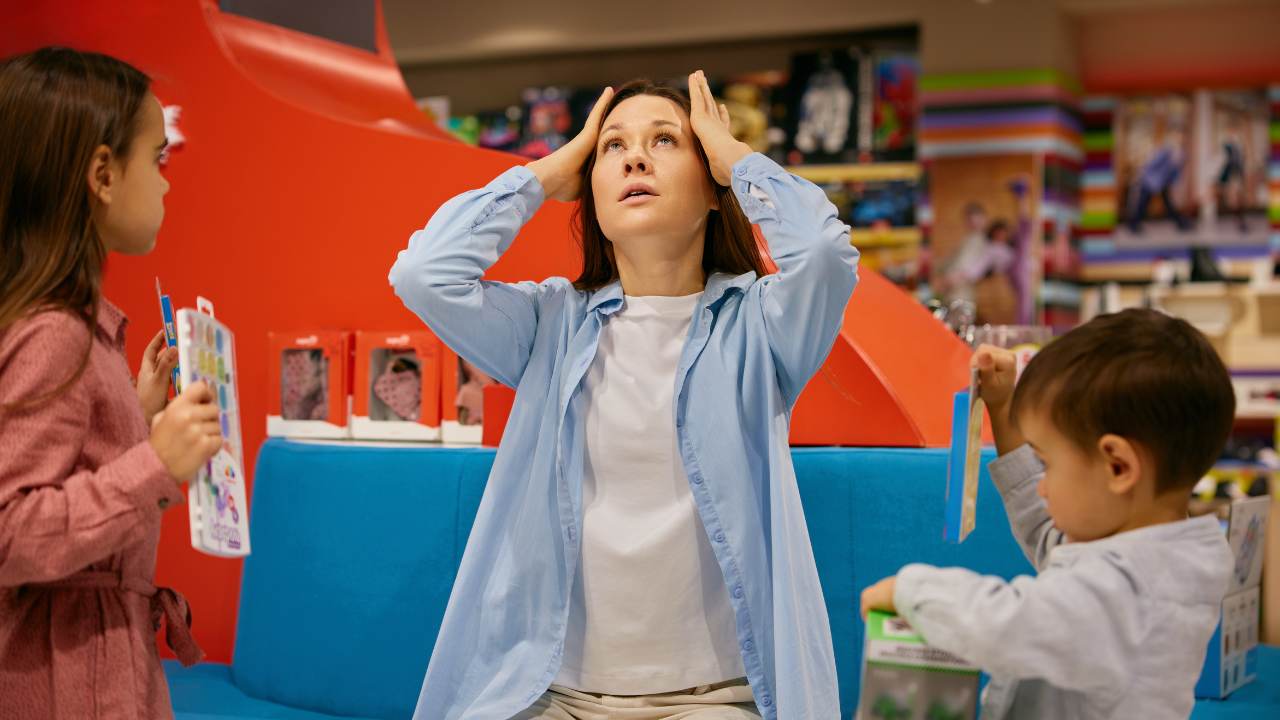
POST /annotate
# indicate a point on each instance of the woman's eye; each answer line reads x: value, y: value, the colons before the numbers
x: 665, y: 140
x: 613, y: 145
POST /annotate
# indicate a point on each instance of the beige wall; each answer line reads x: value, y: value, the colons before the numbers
x: 483, y: 60
x: 423, y: 31
x: 1136, y: 49
x: 482, y: 53
x: 964, y: 36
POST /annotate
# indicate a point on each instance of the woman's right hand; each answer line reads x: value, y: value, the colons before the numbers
x: 560, y: 173
x: 186, y: 434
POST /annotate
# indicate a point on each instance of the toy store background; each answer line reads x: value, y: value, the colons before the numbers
x: 1010, y: 169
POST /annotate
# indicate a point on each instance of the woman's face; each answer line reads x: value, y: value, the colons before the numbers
x: 650, y: 184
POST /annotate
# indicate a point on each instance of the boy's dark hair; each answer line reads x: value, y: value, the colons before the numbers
x: 1142, y: 375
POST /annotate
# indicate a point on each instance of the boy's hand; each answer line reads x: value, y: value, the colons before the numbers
x: 879, y: 597
x: 158, y: 362
x: 997, y: 373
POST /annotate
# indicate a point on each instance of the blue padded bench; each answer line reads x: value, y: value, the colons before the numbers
x: 355, y: 549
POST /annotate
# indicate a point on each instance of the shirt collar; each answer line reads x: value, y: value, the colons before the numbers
x: 112, y: 320
x: 608, y: 299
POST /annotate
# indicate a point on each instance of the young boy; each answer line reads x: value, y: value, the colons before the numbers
x: 1100, y: 444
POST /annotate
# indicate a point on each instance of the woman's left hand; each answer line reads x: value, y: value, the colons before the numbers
x: 158, y: 362
x: 879, y: 597
x: 710, y: 124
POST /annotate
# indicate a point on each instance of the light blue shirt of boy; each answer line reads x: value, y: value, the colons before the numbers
x: 1112, y: 628
x: 752, y: 345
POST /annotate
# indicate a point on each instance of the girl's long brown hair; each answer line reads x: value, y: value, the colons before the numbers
x: 57, y: 106
x: 729, y: 244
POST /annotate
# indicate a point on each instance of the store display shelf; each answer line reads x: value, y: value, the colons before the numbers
x: 860, y: 172
x: 874, y: 237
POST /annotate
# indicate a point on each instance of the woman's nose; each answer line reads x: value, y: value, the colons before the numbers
x: 636, y: 162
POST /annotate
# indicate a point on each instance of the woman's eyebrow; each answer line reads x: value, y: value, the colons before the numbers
x: 656, y: 123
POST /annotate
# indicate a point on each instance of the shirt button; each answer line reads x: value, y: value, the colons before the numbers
x: 742, y: 172
x: 719, y: 537
x: 748, y: 646
x: 737, y: 591
x: 697, y: 479
x: 766, y: 701
x: 573, y: 534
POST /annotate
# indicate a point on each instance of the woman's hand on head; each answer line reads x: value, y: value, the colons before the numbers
x: 710, y: 123
x: 560, y: 173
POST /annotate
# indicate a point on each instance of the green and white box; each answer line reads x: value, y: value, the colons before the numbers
x: 905, y: 679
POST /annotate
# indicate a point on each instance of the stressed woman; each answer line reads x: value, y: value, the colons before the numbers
x: 640, y: 550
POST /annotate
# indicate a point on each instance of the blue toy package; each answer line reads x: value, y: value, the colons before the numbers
x: 963, y: 464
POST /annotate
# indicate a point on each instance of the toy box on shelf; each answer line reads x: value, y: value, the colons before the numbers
x: 310, y: 373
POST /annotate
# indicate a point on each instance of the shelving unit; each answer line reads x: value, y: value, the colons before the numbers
x: 887, y: 237
x: 862, y: 172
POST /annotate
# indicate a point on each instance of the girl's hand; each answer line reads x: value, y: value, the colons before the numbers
x: 710, y: 123
x: 158, y: 362
x: 879, y: 597
x: 560, y: 173
x: 186, y: 434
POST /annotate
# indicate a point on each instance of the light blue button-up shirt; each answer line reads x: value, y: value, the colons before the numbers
x: 752, y: 345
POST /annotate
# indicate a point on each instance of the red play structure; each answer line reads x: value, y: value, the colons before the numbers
x: 305, y: 168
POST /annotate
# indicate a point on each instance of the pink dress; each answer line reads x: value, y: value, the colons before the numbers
x: 81, y: 495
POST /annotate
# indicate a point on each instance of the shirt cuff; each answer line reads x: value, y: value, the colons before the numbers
x: 517, y: 187
x: 146, y: 480
x: 915, y: 585
x: 755, y: 167
x: 1013, y: 470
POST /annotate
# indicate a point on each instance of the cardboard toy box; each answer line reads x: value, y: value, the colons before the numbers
x: 905, y: 679
x: 310, y: 373
x: 1232, y: 657
x: 397, y: 386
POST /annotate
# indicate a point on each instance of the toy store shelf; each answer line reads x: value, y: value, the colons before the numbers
x: 862, y: 172
x: 1257, y: 394
x: 1060, y: 293
x: 873, y: 237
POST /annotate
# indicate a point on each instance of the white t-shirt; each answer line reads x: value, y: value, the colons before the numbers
x: 649, y: 611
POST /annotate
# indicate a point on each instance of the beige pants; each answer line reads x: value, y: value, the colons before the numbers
x: 726, y: 701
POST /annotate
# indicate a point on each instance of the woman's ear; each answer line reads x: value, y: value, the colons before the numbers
x: 101, y: 177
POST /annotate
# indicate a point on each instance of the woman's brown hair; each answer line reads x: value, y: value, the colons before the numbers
x: 729, y: 244
x: 57, y: 107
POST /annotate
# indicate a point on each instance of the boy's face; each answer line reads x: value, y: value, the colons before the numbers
x: 1077, y: 484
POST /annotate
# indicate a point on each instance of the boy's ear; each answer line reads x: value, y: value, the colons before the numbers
x: 1124, y: 463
